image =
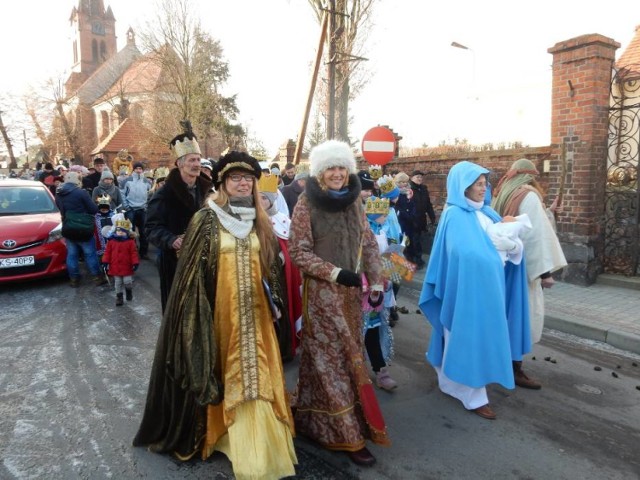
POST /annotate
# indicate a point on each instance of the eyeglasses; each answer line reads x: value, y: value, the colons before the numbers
x: 235, y: 178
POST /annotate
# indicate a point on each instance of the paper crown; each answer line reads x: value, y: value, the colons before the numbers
x: 186, y: 142
x: 122, y: 154
x: 184, y: 146
x: 268, y: 183
x: 386, y: 184
x: 161, y: 172
x: 125, y: 224
x: 377, y: 206
x: 375, y: 171
x: 104, y: 200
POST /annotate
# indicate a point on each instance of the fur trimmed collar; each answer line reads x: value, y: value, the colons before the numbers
x: 176, y: 184
x: 320, y: 199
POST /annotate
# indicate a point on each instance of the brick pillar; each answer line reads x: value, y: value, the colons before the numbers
x: 582, y: 69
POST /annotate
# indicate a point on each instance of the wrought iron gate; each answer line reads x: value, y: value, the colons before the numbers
x: 622, y: 195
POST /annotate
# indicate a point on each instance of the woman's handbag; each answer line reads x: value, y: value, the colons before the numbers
x: 78, y: 227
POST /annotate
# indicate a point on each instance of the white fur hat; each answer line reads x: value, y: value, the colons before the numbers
x: 72, y: 177
x: 331, y: 153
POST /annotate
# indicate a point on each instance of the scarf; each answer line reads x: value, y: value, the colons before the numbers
x: 521, y: 173
x: 238, y: 221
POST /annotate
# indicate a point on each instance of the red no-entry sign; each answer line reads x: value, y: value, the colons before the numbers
x: 378, y: 145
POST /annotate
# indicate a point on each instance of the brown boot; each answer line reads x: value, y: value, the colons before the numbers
x: 99, y: 280
x: 119, y: 300
x: 521, y: 378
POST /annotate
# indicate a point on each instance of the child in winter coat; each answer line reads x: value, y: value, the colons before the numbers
x: 120, y: 259
x: 103, y: 219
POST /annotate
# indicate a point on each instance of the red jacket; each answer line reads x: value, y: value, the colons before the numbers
x: 121, y: 255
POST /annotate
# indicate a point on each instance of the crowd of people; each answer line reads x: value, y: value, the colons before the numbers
x: 259, y: 265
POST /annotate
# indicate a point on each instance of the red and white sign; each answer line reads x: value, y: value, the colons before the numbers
x: 378, y: 146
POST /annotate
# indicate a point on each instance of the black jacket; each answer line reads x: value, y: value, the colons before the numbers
x: 422, y: 206
x: 168, y: 215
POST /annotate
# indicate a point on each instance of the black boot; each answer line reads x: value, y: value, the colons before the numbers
x: 119, y: 301
x: 129, y: 292
x: 521, y: 378
x: 393, y: 316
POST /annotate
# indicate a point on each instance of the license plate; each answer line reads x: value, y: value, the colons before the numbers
x: 17, y: 262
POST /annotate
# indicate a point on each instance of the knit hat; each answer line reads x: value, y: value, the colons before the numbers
x: 416, y: 172
x: 98, y: 160
x: 301, y: 175
x: 329, y: 154
x: 302, y: 171
x: 235, y: 160
x: 272, y: 197
x: 365, y: 180
x: 206, y: 163
x: 106, y: 173
x: 72, y: 177
x: 138, y: 164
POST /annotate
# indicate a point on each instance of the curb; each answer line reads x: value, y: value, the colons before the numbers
x: 613, y: 336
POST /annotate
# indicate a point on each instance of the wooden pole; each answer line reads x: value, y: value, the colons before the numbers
x: 312, y: 88
x: 331, y: 77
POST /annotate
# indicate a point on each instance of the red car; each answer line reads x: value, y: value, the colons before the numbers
x: 31, y: 243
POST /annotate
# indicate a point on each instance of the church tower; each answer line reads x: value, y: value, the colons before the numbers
x: 93, y: 30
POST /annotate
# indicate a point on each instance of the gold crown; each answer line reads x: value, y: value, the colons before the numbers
x: 126, y: 224
x: 184, y: 147
x: 268, y: 183
x: 379, y: 206
x: 161, y: 172
x: 375, y: 171
x: 103, y: 200
x: 123, y: 154
x: 386, y: 184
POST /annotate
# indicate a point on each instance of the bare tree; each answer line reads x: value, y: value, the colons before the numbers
x: 7, y: 141
x: 353, y: 20
x: 193, y: 72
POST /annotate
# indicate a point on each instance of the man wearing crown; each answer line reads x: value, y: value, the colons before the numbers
x: 172, y: 206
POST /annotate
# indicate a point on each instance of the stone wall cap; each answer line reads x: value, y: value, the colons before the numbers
x: 582, y: 41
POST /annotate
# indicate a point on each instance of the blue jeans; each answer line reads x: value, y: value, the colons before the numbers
x: 90, y: 257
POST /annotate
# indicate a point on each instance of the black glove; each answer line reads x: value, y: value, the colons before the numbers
x: 349, y: 278
x: 135, y: 267
x: 105, y: 267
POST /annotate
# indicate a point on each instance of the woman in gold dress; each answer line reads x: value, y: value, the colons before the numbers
x: 217, y: 380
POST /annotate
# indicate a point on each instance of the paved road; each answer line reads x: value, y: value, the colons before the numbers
x: 75, y: 370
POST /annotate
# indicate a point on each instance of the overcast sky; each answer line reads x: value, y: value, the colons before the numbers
x: 497, y: 91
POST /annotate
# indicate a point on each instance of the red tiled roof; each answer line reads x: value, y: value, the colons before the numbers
x: 630, y: 58
x: 134, y: 137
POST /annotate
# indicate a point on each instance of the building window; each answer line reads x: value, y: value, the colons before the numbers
x: 103, y: 51
x: 97, y: 28
x: 94, y: 51
x: 75, y: 51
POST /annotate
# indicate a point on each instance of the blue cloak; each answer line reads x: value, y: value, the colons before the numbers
x: 468, y: 291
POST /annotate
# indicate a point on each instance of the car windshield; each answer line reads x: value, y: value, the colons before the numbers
x: 20, y: 200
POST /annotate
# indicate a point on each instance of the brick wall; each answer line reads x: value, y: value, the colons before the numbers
x: 582, y: 69
x: 436, y: 168
x: 575, y: 160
